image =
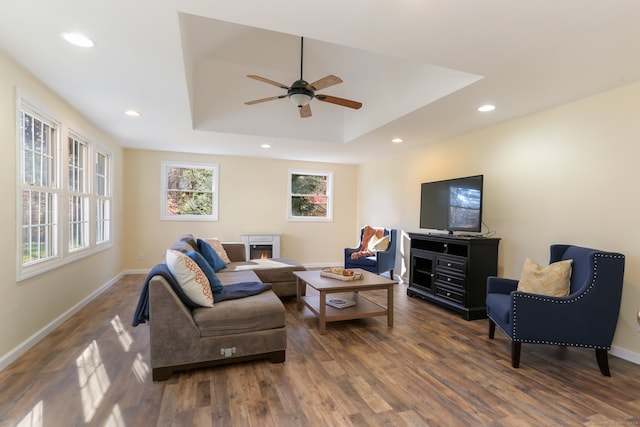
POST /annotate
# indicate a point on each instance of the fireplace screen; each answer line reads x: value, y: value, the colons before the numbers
x: 260, y: 251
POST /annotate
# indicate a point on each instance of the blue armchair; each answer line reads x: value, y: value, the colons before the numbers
x: 380, y: 261
x: 587, y: 317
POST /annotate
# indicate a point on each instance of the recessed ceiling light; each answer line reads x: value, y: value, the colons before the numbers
x: 487, y: 107
x: 78, y: 39
x: 396, y: 140
x: 265, y: 146
x: 133, y: 113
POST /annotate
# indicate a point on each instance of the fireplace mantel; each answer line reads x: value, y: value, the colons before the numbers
x: 262, y: 239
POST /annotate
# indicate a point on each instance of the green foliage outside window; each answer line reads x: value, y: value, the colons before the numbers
x: 189, y: 191
x: 309, y: 195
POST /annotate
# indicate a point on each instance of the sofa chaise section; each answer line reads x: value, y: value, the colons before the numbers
x: 231, y: 331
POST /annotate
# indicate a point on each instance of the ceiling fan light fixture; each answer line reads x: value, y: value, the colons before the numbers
x: 300, y: 99
x: 301, y: 92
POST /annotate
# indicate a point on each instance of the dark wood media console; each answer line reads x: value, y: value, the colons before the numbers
x: 452, y: 271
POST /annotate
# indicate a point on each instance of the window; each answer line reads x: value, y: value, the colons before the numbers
x: 310, y: 196
x: 189, y: 191
x: 39, y: 188
x: 103, y: 197
x: 78, y: 194
x: 62, y: 219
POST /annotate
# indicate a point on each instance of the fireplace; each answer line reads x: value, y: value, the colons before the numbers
x: 261, y: 245
x: 260, y: 251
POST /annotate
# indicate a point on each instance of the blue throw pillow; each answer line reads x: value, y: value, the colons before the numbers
x: 214, y: 282
x: 211, y: 255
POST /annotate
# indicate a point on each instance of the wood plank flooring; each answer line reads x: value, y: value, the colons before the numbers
x: 431, y: 369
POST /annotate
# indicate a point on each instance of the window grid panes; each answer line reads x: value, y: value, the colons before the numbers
x: 78, y: 199
x: 77, y: 165
x: 61, y: 219
x: 39, y: 228
x: 39, y: 194
x: 189, y: 191
x: 103, y: 202
x: 78, y: 223
x: 37, y: 151
x: 310, y: 196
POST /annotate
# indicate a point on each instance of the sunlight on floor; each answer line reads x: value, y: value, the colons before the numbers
x: 115, y: 418
x: 33, y: 418
x: 140, y: 368
x: 123, y: 334
x: 93, y: 379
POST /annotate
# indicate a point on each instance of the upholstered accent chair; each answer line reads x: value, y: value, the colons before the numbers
x: 586, y: 317
x: 378, y: 260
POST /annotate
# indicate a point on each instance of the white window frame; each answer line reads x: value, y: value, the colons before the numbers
x: 53, y: 189
x: 103, y: 203
x: 328, y: 175
x: 166, y: 165
x: 58, y: 237
x: 79, y: 190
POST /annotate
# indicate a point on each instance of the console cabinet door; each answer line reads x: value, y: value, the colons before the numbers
x: 422, y: 270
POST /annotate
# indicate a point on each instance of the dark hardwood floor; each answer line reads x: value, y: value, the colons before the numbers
x: 432, y: 368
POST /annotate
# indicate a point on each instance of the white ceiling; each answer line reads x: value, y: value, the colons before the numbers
x: 420, y: 67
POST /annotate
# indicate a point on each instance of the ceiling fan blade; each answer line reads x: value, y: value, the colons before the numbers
x: 339, y: 101
x: 305, y: 111
x: 271, y: 98
x: 265, y: 80
x: 324, y: 82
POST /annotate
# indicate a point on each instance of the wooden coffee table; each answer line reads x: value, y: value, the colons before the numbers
x: 325, y: 285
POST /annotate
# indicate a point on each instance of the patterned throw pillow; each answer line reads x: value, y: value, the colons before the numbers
x: 214, y: 282
x: 552, y: 280
x: 216, y: 244
x: 190, y: 277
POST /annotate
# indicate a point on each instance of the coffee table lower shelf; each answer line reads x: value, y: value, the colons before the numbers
x: 363, y: 308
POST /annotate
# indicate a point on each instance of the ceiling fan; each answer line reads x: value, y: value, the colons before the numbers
x: 301, y: 92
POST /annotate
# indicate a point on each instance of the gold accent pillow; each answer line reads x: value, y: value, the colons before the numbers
x: 216, y: 244
x: 552, y: 280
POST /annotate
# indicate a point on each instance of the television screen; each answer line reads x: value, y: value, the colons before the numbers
x: 452, y: 204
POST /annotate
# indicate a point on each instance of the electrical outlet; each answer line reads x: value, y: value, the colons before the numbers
x: 141, y: 256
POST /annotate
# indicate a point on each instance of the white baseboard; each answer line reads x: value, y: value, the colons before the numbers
x: 317, y: 266
x: 625, y: 354
x: 18, y: 351
x: 136, y: 271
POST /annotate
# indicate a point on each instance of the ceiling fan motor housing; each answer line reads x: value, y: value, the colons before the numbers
x: 299, y: 87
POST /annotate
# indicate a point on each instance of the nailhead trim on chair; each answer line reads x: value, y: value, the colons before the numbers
x: 570, y: 301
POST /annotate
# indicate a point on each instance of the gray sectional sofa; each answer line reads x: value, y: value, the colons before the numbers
x: 231, y: 331
x: 276, y: 271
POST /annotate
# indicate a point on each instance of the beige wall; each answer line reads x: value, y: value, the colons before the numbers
x: 30, y: 306
x: 565, y: 175
x: 252, y: 199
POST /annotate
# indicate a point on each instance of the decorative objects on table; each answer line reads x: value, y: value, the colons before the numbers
x: 343, y: 274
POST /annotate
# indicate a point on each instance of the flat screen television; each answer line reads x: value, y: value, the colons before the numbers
x: 452, y: 204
